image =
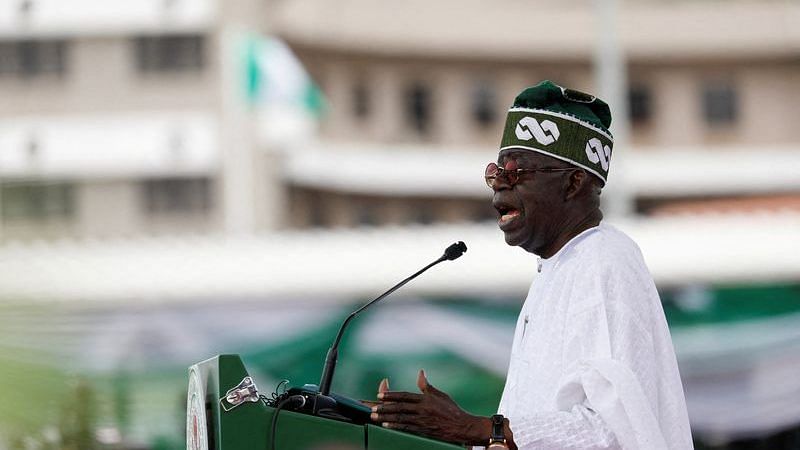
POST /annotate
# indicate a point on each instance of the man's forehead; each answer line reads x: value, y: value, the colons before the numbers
x: 519, y: 155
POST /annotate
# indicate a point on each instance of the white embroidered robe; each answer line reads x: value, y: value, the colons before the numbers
x: 592, y: 364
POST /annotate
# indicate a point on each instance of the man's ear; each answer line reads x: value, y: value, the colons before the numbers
x: 575, y: 183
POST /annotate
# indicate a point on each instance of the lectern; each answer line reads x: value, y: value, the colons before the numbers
x: 214, y: 424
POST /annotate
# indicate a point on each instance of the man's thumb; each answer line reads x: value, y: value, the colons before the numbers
x: 422, y: 381
x: 383, y: 386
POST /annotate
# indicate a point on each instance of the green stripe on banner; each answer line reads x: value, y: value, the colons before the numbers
x: 729, y: 304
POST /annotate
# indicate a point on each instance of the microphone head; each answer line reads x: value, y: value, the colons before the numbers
x: 454, y: 251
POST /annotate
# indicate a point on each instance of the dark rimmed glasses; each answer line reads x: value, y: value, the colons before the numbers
x: 511, y: 172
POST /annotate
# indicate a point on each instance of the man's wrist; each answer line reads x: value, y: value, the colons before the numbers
x: 478, y: 431
x: 509, y: 435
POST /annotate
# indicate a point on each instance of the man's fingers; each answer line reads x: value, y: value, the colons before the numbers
x: 391, y: 408
x: 400, y: 397
x: 383, y: 386
x: 370, y: 403
x: 397, y: 418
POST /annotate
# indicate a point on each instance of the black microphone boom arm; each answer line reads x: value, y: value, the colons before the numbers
x: 452, y: 252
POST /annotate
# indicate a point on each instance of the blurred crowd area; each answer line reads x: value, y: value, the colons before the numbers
x: 181, y: 178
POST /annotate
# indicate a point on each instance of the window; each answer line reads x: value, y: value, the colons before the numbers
x: 170, y: 53
x: 483, y: 104
x: 423, y: 214
x: 32, y: 58
x: 177, y: 195
x: 361, y: 100
x: 720, y: 103
x: 483, y: 212
x: 640, y: 104
x: 316, y: 206
x: 37, y: 201
x: 367, y: 215
x: 418, y: 107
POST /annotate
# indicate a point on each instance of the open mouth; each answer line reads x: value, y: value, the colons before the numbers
x: 507, y: 214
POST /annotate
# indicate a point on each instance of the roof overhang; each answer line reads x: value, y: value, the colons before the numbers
x: 59, y: 18
x: 120, y: 145
x: 339, y: 265
x: 434, y: 172
x: 518, y: 30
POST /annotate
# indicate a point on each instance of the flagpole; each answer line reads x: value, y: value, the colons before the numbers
x: 612, y: 84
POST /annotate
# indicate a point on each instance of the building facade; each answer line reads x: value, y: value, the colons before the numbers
x: 120, y: 121
x: 703, y: 82
x: 116, y: 119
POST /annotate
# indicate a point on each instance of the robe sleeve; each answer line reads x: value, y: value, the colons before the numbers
x: 579, y: 428
x: 621, y: 405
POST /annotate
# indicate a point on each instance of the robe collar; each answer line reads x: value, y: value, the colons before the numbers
x: 545, y: 264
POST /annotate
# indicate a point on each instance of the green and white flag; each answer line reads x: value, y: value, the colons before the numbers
x: 275, y: 77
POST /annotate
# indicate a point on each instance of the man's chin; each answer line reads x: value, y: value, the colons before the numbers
x: 520, y: 238
x: 515, y: 238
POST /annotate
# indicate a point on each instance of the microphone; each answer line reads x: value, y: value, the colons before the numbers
x: 452, y: 252
x: 455, y: 251
x: 320, y: 401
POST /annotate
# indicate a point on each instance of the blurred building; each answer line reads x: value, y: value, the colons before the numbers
x: 710, y: 94
x: 114, y: 119
x: 125, y: 120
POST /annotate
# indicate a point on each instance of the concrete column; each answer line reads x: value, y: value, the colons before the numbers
x: 100, y: 84
x: 612, y: 82
x: 109, y: 208
x: 387, y: 104
x: 338, y: 90
x: 678, y: 117
x: 271, y: 195
x: 251, y: 190
x: 767, y: 98
x: 236, y: 138
x: 452, y: 109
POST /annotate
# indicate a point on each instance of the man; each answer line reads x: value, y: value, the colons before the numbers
x: 592, y: 364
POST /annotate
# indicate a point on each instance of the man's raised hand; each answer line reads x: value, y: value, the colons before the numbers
x: 431, y: 413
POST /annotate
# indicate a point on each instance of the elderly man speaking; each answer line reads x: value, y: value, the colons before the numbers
x: 592, y: 364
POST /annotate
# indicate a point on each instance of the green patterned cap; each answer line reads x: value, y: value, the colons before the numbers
x: 563, y: 123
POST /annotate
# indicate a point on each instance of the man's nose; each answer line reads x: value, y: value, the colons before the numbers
x: 501, y: 183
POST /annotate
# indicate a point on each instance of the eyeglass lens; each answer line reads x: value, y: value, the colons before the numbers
x: 509, y: 171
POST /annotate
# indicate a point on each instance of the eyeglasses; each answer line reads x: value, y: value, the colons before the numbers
x: 510, y: 171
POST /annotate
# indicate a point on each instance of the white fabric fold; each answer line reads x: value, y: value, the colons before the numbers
x: 614, y: 393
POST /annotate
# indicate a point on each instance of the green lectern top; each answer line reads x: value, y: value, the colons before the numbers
x: 212, y: 423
